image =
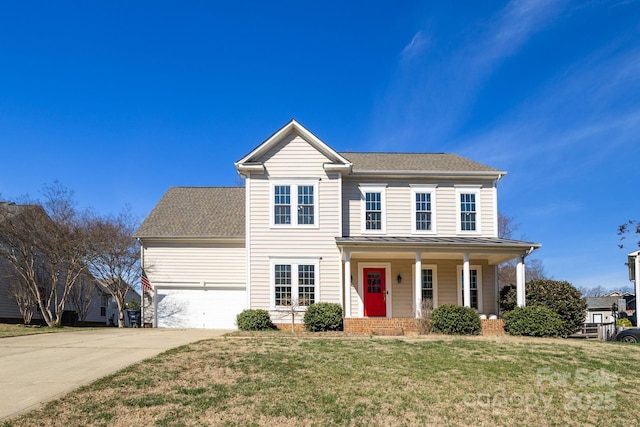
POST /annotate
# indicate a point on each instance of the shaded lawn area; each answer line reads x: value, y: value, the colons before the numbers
x: 290, y: 380
x: 9, y: 330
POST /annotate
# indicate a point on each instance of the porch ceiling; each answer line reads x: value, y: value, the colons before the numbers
x: 493, y: 250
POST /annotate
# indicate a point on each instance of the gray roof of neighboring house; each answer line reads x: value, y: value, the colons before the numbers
x: 594, y: 303
x: 428, y: 162
x: 198, y: 212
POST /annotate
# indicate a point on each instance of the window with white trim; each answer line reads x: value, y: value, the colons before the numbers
x: 423, y: 208
x: 475, y: 275
x: 294, y: 282
x: 294, y: 204
x: 427, y: 284
x: 468, y: 200
x: 373, y: 209
x: 282, y: 204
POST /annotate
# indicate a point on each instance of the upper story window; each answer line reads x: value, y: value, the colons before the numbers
x: 282, y: 204
x: 373, y: 209
x: 294, y: 204
x: 423, y: 209
x: 306, y: 205
x: 468, y: 209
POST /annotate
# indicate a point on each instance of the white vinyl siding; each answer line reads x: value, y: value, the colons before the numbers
x: 195, y: 263
x: 296, y: 162
x: 400, y: 208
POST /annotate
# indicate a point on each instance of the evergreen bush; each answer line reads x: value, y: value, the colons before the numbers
x: 456, y: 320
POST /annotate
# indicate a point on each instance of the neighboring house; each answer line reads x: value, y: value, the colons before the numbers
x: 600, y: 309
x: 101, y: 305
x: 374, y: 232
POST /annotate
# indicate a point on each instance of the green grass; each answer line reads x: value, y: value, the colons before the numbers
x: 9, y: 330
x: 289, y: 380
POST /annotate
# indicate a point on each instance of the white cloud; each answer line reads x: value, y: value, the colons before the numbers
x: 415, y: 46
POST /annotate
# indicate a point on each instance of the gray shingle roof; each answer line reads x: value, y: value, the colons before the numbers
x: 428, y: 162
x: 197, y: 212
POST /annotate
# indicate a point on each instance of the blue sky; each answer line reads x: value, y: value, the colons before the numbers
x: 121, y: 100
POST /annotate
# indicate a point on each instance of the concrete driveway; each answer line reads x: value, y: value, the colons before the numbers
x: 38, y: 368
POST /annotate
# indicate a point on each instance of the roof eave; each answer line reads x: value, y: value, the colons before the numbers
x: 431, y: 174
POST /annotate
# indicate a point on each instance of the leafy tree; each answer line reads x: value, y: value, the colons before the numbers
x: 561, y: 297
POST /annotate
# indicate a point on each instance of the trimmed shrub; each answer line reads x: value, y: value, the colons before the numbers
x: 323, y: 316
x: 624, y: 323
x: 254, y: 320
x: 533, y: 321
x: 561, y: 297
x: 456, y: 320
x: 508, y: 298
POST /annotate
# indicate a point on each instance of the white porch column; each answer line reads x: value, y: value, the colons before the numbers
x: 520, y: 280
x: 155, y: 307
x: 418, y: 285
x: 347, y: 284
x: 466, y: 282
x: 637, y: 278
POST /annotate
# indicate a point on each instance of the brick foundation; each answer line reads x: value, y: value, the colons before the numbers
x: 492, y: 327
x: 380, y: 326
x: 286, y: 327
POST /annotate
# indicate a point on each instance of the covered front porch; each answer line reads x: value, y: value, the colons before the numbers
x: 389, y: 277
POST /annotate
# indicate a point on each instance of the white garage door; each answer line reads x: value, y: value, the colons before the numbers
x: 200, y: 308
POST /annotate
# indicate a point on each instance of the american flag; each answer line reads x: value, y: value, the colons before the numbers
x: 146, y: 284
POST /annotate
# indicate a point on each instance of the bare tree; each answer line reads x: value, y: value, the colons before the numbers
x: 534, y: 270
x: 630, y: 227
x: 82, y: 296
x: 291, y: 306
x: 114, y: 256
x: 46, y: 244
x: 23, y: 298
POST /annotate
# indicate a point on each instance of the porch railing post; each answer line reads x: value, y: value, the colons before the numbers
x: 520, y: 280
x: 466, y: 282
x: 418, y: 285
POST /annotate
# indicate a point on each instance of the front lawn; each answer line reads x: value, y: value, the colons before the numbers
x: 9, y: 330
x: 290, y: 380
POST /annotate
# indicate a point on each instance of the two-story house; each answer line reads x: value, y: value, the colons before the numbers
x: 374, y: 232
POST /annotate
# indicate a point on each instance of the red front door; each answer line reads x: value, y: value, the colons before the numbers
x: 375, y: 298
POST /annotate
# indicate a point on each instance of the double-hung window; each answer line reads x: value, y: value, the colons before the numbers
x: 373, y: 209
x: 468, y: 209
x: 282, y: 204
x: 427, y: 284
x: 423, y: 209
x: 294, y: 204
x: 294, y: 282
